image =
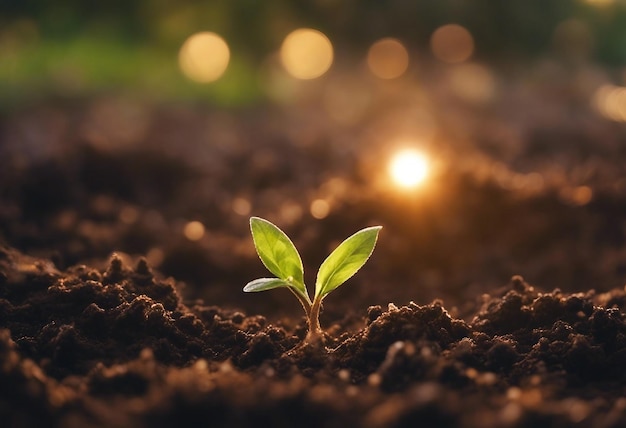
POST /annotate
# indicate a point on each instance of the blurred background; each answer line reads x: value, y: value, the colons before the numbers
x: 486, y: 137
x: 147, y: 48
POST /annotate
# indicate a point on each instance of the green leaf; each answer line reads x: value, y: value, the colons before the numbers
x: 346, y: 260
x: 278, y: 253
x: 263, y: 284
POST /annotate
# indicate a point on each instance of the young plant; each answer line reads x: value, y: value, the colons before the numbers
x: 281, y: 258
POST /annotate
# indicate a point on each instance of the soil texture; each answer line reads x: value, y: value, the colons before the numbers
x: 113, y: 314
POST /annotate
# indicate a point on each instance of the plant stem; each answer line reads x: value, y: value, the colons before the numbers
x: 315, y: 331
x: 304, y: 301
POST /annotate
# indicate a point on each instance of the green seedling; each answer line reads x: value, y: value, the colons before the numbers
x: 281, y: 258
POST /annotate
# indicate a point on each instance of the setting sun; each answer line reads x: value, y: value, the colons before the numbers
x: 408, y: 168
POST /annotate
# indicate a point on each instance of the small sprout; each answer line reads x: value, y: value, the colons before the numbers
x: 281, y: 258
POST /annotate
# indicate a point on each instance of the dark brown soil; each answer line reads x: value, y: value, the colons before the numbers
x: 119, y: 348
x: 109, y: 316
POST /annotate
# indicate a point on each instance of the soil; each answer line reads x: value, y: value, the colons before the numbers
x: 110, y: 316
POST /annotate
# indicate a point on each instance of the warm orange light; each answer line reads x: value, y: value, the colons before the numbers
x: 306, y: 53
x: 155, y: 256
x: 600, y: 2
x: 388, y: 58
x: 408, y: 168
x: 579, y: 196
x: 129, y: 215
x: 290, y: 212
x: 194, y: 230
x: 452, y: 43
x: 610, y: 102
x: 472, y: 82
x: 204, y: 57
x: 320, y: 208
x: 241, y: 206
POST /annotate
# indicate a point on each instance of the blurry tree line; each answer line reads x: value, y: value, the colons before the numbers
x: 501, y: 28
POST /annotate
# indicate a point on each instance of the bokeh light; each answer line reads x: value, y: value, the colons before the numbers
x: 155, y: 256
x: 472, y: 82
x: 388, y: 58
x: 452, y: 43
x: 204, y: 57
x: 194, y: 230
x: 600, y: 2
x: 610, y: 102
x: 241, y: 206
x: 408, y: 168
x: 290, y: 212
x: 578, y: 196
x: 320, y: 208
x: 129, y: 215
x: 306, y: 53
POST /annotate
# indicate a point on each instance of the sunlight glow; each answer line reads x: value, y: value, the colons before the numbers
x: 408, y: 168
x: 204, y: 57
x: 306, y: 53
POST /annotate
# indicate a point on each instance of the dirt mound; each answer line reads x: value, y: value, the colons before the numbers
x: 118, y: 347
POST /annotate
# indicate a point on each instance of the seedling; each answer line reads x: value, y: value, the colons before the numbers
x: 281, y: 258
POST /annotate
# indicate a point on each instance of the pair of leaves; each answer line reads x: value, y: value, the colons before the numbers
x: 281, y: 258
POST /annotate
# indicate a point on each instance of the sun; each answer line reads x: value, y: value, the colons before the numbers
x: 408, y: 168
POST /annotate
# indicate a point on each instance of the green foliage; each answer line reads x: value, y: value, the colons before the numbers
x: 263, y: 284
x: 346, y: 260
x: 280, y: 257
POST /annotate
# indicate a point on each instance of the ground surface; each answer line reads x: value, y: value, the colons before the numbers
x: 111, y: 316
